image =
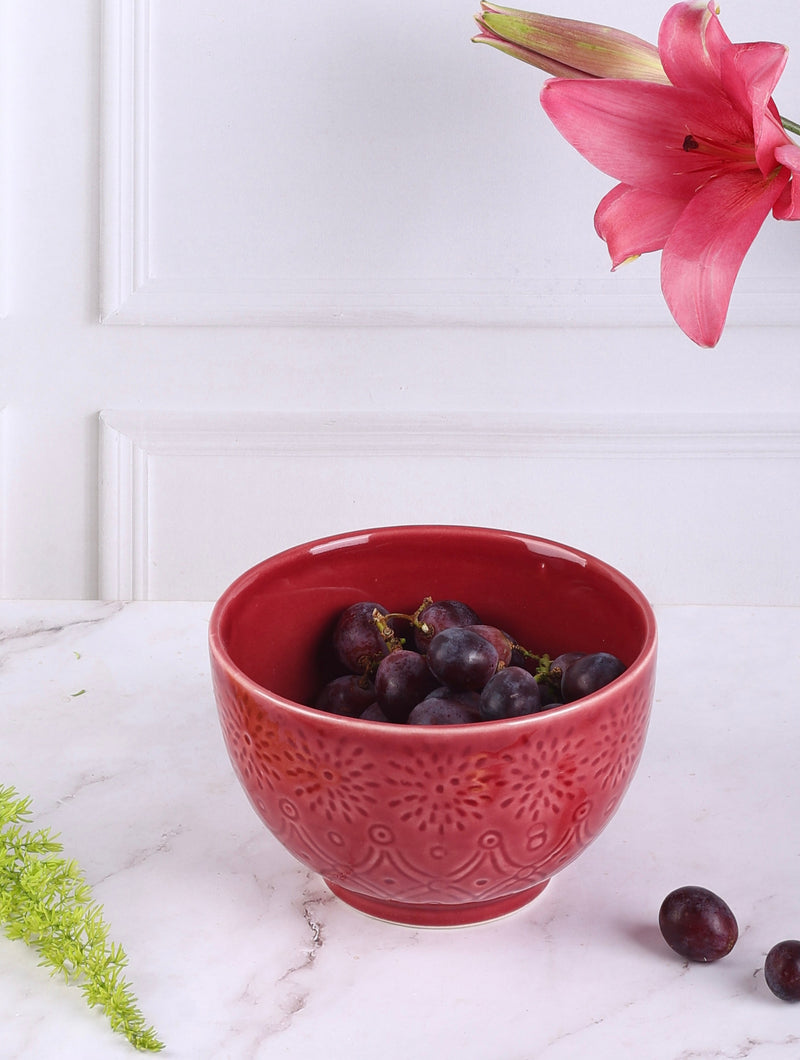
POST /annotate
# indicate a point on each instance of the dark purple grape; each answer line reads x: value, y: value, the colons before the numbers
x: 461, y: 659
x: 559, y: 666
x: 697, y: 924
x: 439, y: 615
x: 539, y: 667
x: 502, y: 642
x: 349, y: 696
x: 587, y: 674
x: 373, y: 713
x: 548, y: 673
x: 402, y: 679
x: 510, y: 693
x: 467, y: 699
x: 357, y: 641
x: 782, y: 970
x: 441, y: 711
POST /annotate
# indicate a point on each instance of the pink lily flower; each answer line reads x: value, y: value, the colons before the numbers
x: 565, y: 47
x: 701, y: 161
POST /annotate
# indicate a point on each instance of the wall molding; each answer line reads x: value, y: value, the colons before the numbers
x: 132, y: 294
x: 6, y: 45
x: 320, y: 434
x: 124, y: 139
x: 132, y: 443
x: 123, y: 504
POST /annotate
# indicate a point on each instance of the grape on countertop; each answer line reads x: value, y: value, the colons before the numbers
x: 697, y: 924
x: 782, y: 970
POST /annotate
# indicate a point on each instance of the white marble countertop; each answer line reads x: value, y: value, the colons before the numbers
x: 236, y: 951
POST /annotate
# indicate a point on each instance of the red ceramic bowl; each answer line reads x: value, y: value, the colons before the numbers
x: 431, y: 825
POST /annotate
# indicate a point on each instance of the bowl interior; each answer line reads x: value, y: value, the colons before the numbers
x: 274, y: 622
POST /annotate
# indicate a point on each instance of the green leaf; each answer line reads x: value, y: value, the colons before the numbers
x: 46, y: 902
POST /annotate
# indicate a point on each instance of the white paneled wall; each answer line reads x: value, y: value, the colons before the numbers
x: 3, y: 500
x: 667, y: 499
x: 348, y: 252
x: 348, y: 170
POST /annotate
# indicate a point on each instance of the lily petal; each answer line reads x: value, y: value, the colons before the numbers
x: 690, y: 40
x: 706, y: 248
x: 757, y: 68
x: 633, y: 221
x: 638, y: 132
x: 787, y: 208
x: 750, y: 73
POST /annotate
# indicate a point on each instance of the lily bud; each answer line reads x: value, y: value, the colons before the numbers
x: 565, y: 47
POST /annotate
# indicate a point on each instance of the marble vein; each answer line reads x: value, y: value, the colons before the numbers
x: 747, y: 1048
x: 81, y: 785
x: 34, y: 633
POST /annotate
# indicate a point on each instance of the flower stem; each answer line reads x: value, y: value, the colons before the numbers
x: 791, y: 126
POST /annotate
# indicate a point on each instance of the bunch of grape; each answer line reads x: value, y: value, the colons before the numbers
x: 441, y: 665
x: 700, y: 926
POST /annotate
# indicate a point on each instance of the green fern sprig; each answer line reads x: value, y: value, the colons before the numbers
x: 46, y: 902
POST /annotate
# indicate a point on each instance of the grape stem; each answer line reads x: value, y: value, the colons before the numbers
x: 542, y: 662
x: 418, y: 623
x: 393, y: 642
x: 414, y: 619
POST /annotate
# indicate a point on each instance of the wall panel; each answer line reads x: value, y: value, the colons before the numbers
x: 694, y: 509
x: 261, y: 168
x: 3, y: 501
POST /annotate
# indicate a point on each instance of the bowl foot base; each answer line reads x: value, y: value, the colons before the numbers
x: 419, y: 914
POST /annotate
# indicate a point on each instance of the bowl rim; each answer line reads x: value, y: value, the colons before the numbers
x: 223, y: 660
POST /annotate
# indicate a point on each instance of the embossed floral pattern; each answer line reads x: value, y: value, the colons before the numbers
x: 455, y: 822
x: 441, y: 794
x: 427, y: 824
x: 333, y: 780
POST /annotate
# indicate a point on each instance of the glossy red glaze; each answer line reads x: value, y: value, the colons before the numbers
x: 431, y: 825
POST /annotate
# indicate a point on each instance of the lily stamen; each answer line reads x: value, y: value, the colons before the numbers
x: 740, y: 153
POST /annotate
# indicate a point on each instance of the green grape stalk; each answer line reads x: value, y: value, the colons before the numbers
x: 46, y: 902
